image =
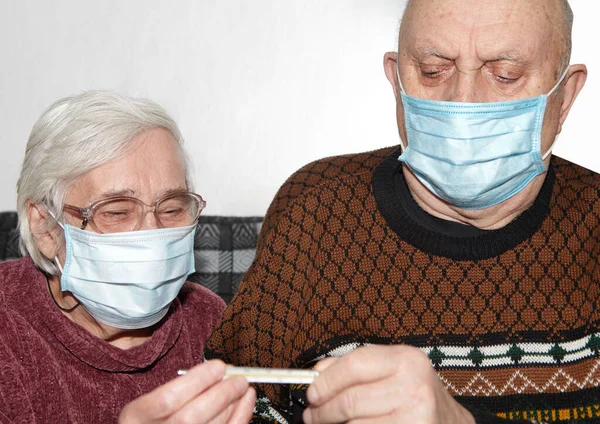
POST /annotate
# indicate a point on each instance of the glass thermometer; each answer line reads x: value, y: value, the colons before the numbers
x: 269, y: 375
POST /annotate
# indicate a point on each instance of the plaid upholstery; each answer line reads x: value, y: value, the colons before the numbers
x: 224, y: 249
x: 9, y: 237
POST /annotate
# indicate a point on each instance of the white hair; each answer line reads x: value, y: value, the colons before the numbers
x: 73, y: 136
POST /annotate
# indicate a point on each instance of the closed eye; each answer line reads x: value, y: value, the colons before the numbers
x: 432, y: 74
x: 505, y: 80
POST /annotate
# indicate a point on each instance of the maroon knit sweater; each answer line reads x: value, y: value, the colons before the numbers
x: 54, y: 371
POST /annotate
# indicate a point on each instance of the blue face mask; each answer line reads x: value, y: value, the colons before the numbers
x: 127, y: 280
x: 475, y: 155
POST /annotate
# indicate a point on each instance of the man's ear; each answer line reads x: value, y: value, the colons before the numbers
x: 574, y: 82
x: 390, y: 60
x: 43, y: 230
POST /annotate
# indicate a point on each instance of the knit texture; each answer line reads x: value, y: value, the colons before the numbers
x: 509, y: 318
x: 54, y: 371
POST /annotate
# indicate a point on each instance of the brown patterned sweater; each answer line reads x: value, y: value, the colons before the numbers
x: 509, y: 318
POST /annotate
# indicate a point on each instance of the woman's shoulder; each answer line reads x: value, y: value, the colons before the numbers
x: 15, y: 275
x: 18, y: 285
x: 196, y: 298
x: 16, y: 335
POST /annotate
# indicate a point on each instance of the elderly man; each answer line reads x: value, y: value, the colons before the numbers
x: 467, y: 258
x: 98, y: 312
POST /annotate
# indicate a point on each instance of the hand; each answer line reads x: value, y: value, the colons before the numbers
x: 381, y: 384
x: 200, y: 396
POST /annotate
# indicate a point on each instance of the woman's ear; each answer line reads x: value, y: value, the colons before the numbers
x: 43, y: 230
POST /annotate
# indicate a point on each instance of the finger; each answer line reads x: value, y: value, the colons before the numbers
x: 232, y: 415
x: 242, y: 413
x: 224, y: 416
x: 323, y: 364
x: 212, y: 402
x: 381, y: 419
x: 172, y: 396
x: 368, y: 400
x: 363, y: 365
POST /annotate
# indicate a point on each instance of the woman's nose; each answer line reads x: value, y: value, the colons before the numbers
x: 149, y: 221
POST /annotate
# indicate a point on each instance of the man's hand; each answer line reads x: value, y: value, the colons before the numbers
x: 381, y: 384
x: 200, y: 396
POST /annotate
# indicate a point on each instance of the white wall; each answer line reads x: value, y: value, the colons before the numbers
x: 259, y: 88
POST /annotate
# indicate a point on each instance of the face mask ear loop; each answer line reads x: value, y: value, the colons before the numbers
x: 56, y: 261
x: 402, y: 147
x: 560, y: 80
x: 398, y: 74
x: 52, y: 294
x: 551, y: 147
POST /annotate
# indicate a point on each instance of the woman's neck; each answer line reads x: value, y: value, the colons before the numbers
x: 67, y: 303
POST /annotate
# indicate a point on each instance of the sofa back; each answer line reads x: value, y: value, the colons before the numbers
x: 224, y: 248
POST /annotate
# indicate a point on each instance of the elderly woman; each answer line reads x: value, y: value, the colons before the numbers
x: 98, y: 312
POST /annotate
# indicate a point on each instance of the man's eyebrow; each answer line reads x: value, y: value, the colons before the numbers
x: 428, y: 50
x: 512, y: 56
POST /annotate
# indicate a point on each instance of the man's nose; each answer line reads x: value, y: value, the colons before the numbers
x: 463, y: 89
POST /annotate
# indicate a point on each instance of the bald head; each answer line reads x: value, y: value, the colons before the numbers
x: 558, y: 17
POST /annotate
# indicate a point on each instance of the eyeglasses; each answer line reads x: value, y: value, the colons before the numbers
x: 121, y: 213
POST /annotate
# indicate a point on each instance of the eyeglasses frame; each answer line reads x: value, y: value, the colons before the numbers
x: 88, y: 213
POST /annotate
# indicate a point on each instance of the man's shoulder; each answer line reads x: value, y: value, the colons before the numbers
x: 335, y: 167
x: 582, y: 181
x: 321, y: 172
x: 572, y: 171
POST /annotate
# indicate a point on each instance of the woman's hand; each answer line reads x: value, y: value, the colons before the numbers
x: 200, y: 396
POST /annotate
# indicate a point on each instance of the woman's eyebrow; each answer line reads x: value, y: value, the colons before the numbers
x: 115, y: 193
x: 132, y: 193
x: 175, y: 191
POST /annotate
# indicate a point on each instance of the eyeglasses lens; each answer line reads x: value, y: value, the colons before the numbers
x: 124, y: 214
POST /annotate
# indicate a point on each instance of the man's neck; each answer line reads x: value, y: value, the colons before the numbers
x: 491, y: 218
x: 123, y: 339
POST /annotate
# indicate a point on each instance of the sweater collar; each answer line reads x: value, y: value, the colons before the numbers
x: 481, y: 245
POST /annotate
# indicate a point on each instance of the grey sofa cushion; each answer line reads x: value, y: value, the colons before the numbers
x: 9, y: 237
x: 224, y: 248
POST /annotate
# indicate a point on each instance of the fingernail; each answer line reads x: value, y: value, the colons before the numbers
x: 240, y: 383
x: 216, y: 368
x: 306, y: 416
x: 311, y: 395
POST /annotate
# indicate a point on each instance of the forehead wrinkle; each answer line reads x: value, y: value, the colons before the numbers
x: 511, y: 55
x: 128, y: 192
x: 488, y: 26
x: 425, y: 46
